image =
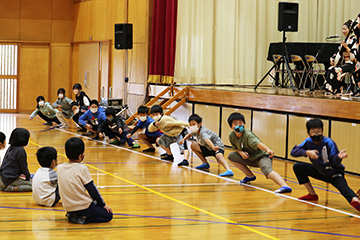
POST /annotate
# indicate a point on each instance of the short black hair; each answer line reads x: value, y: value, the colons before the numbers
x: 195, y: 118
x: 39, y: 98
x: 94, y: 101
x: 74, y: 147
x: 143, y: 109
x: 46, y: 155
x: 110, y: 111
x: 157, y: 109
x: 314, y: 123
x: 235, y: 116
x: 19, y: 137
x: 77, y: 86
x: 2, y: 137
x: 61, y: 90
x: 74, y: 104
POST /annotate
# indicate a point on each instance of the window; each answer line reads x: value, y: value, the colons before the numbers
x: 8, y: 76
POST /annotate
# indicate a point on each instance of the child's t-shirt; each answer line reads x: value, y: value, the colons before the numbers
x: 44, y: 185
x: 248, y: 142
x: 72, y: 178
x: 208, y: 134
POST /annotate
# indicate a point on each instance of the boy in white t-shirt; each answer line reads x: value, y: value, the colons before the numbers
x: 44, y: 184
x: 74, y: 180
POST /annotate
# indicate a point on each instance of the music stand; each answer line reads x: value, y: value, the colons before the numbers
x: 284, y: 60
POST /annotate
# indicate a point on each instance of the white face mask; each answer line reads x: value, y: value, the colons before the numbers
x: 41, y: 103
x: 93, y: 110
x: 157, y: 117
x: 143, y: 119
x: 194, y: 129
x: 76, y: 111
x: 61, y: 96
x: 76, y: 91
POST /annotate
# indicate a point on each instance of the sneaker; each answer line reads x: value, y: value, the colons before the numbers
x: 309, y: 197
x: 115, y: 142
x: 149, y: 150
x: 81, y: 130
x: 283, y: 189
x: 184, y: 163
x: 356, y: 205
x: 227, y: 173
x: 48, y: 124
x: 203, y: 166
x: 135, y: 145
x: 162, y: 156
x: 169, y: 158
x: 247, y: 179
x: 73, y: 218
x: 88, y: 134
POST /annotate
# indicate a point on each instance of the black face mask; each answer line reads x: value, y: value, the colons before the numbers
x: 317, y: 138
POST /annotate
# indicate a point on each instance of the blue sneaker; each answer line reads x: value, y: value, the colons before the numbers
x: 247, y: 179
x: 203, y: 166
x: 227, y: 173
x: 283, y: 189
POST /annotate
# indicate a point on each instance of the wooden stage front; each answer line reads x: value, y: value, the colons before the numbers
x: 280, y: 100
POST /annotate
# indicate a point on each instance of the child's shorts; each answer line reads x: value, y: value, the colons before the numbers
x: 166, y: 140
x: 210, y: 153
x: 151, y: 139
x: 265, y: 163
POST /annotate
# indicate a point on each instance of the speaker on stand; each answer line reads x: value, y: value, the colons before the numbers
x: 124, y: 41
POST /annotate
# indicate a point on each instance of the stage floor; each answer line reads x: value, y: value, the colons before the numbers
x: 156, y: 199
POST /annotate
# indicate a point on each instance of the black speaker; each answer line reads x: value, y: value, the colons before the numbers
x: 123, y: 36
x: 288, y: 17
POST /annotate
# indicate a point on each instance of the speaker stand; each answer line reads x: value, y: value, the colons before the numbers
x: 285, y: 62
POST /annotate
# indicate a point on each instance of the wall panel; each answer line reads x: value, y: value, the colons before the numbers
x: 210, y: 116
x: 347, y: 136
x: 34, y: 75
x: 271, y: 129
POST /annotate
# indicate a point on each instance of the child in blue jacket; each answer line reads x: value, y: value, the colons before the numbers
x: 93, y: 118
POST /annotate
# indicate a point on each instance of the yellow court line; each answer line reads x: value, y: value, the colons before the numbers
x: 173, y: 199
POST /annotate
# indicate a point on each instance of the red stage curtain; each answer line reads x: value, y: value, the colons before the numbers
x: 163, y: 40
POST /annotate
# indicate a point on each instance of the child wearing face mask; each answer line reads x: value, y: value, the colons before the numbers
x: 64, y: 103
x: 48, y: 113
x: 147, y: 137
x: 325, y: 163
x: 250, y: 151
x: 208, y: 144
x: 93, y: 118
x: 14, y: 165
x: 116, y: 129
x: 173, y: 131
x: 80, y: 95
x: 78, y: 112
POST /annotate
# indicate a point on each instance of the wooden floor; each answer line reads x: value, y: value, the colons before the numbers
x: 154, y: 199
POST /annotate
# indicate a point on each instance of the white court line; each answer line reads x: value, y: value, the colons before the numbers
x: 224, y: 178
x: 172, y: 185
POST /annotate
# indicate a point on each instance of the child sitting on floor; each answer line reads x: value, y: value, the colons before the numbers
x: 208, y: 144
x: 250, y: 151
x: 116, y: 129
x: 15, y: 164
x: 74, y: 180
x: 147, y: 137
x: 174, y: 131
x: 44, y: 184
x: 325, y: 163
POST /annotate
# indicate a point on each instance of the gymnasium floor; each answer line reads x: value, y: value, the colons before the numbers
x: 154, y: 199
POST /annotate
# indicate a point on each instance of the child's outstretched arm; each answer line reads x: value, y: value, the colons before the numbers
x: 263, y: 147
x: 211, y: 144
x: 185, y: 138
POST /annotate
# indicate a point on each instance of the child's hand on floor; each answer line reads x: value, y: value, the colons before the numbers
x: 108, y: 209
